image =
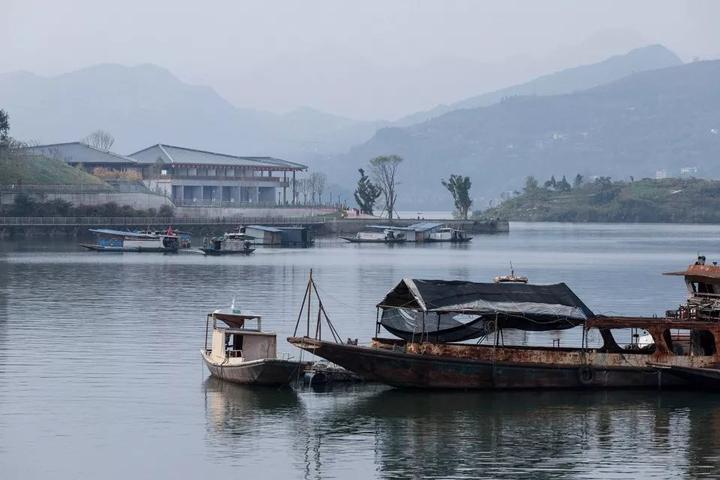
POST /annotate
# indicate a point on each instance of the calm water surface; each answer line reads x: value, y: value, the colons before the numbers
x: 101, y: 377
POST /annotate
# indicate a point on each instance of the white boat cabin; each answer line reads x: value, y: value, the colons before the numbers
x: 234, y: 342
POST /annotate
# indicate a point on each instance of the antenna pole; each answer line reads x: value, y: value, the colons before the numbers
x: 309, y: 299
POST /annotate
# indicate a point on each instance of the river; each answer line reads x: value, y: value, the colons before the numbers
x: 101, y: 377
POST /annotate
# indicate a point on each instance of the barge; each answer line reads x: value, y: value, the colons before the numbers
x: 437, y: 319
x: 108, y: 240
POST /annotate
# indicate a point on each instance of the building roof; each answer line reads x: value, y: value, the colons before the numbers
x: 78, y: 152
x: 424, y: 226
x: 172, y: 154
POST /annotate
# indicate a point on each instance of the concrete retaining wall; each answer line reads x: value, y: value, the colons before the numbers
x: 139, y: 201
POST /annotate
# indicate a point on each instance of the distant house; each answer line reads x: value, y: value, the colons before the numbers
x: 87, y: 157
x: 199, y: 177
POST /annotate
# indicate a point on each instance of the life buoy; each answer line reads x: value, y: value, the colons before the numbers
x: 586, y: 375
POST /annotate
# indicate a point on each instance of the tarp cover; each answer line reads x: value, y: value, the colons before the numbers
x: 440, y: 327
x: 512, y: 305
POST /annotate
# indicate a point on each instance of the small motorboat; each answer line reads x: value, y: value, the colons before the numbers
x: 512, y: 278
x: 234, y: 243
x: 245, y: 355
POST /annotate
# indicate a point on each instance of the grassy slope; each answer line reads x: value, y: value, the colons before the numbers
x: 669, y: 200
x: 34, y: 170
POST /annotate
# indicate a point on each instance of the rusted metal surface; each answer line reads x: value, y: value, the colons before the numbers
x: 459, y: 366
x: 699, y: 271
x: 684, y: 353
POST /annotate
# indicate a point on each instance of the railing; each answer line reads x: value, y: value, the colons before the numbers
x: 162, y: 221
x: 81, y: 188
x: 220, y: 178
x: 269, y: 204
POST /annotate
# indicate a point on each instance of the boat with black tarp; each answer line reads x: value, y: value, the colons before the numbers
x: 452, y: 334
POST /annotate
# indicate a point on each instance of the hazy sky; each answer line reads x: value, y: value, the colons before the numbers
x: 364, y: 59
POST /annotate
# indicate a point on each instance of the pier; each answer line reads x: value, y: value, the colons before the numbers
x: 28, y: 227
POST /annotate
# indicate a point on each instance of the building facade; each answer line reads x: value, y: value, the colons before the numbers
x: 193, y: 177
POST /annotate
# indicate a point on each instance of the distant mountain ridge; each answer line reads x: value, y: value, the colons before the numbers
x: 146, y: 104
x: 658, y: 119
x: 564, y: 81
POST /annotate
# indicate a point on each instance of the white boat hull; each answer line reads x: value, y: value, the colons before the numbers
x: 265, y: 371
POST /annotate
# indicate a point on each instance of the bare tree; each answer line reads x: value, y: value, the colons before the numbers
x: 384, y: 170
x: 317, y: 183
x: 304, y: 188
x: 99, y: 139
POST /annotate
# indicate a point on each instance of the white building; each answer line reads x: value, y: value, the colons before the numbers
x: 201, y: 178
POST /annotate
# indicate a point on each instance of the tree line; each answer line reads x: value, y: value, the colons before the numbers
x: 383, y: 182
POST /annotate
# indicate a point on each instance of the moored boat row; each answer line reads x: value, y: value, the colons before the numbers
x: 425, y: 232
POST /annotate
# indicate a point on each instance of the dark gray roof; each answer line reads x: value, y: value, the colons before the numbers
x: 78, y: 152
x: 180, y: 155
x: 264, y: 228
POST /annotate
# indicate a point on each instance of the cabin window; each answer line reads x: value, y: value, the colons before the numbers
x: 683, y: 342
x: 621, y: 340
x: 233, y: 345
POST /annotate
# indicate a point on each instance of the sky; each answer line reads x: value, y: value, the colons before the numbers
x: 370, y: 59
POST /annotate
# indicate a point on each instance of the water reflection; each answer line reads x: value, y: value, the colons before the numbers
x: 99, y: 355
x: 549, y: 434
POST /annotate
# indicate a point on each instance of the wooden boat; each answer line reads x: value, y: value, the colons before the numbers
x: 245, y: 355
x: 381, y: 235
x: 124, y: 241
x: 229, y: 244
x: 434, y: 356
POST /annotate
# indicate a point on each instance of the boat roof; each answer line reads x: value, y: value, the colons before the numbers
x: 234, y: 319
x: 389, y: 227
x: 415, y: 227
x: 515, y: 305
x: 124, y: 233
x: 424, y: 226
x: 264, y: 228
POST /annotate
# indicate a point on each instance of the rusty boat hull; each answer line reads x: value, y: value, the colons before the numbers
x: 462, y: 366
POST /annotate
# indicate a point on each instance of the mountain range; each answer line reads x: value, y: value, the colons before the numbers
x: 664, y: 119
x: 611, y: 117
x: 146, y: 104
